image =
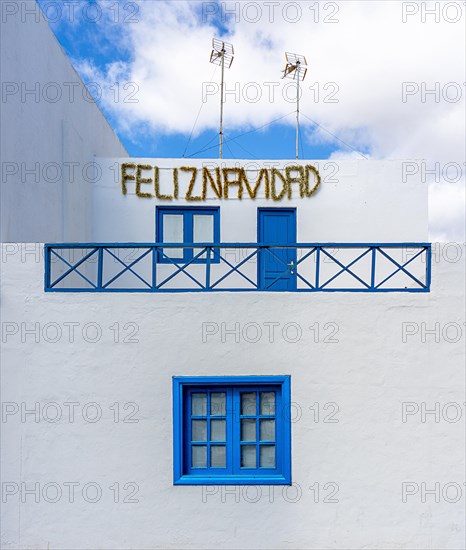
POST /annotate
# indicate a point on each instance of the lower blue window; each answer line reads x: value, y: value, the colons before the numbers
x: 232, y: 430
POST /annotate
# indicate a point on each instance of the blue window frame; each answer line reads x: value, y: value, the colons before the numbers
x: 190, y: 224
x: 232, y: 430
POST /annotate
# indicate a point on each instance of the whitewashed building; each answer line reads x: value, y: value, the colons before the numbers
x: 219, y: 354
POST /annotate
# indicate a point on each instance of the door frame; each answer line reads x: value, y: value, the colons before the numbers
x: 290, y: 209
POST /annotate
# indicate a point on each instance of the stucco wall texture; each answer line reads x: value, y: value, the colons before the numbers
x: 378, y: 414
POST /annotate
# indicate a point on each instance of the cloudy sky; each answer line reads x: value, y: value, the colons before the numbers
x: 386, y: 79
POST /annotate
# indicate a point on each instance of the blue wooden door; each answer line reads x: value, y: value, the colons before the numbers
x: 277, y: 226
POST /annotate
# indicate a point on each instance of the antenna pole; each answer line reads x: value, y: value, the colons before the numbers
x: 293, y: 70
x: 221, y: 104
x: 297, y: 110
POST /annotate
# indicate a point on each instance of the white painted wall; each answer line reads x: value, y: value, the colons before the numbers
x: 47, y: 145
x: 354, y: 356
x: 369, y: 373
x: 358, y: 201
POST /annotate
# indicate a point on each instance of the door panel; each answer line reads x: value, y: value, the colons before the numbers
x: 277, y: 226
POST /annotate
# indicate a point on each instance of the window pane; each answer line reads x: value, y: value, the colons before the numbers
x: 218, y: 430
x: 248, y: 456
x: 199, y: 456
x: 173, y: 233
x: 203, y: 231
x: 248, y: 429
x: 267, y: 430
x: 217, y: 404
x: 173, y: 228
x: 267, y: 402
x: 199, y: 430
x: 203, y: 228
x: 199, y: 404
x: 267, y: 456
x: 218, y: 456
x: 248, y: 403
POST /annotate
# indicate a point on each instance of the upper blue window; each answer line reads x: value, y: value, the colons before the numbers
x: 191, y: 224
x: 232, y: 430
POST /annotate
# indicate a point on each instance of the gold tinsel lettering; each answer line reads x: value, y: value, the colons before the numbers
x: 237, y: 181
x: 306, y: 191
x: 175, y: 183
x: 159, y: 195
x: 275, y: 174
x: 189, y: 196
x: 140, y: 181
x: 253, y: 191
x: 207, y: 177
x: 295, y: 179
x: 126, y: 177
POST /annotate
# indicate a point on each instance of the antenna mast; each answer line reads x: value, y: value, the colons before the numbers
x: 223, y: 55
x: 296, y: 68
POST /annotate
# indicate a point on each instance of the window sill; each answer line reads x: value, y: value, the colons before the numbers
x: 232, y: 480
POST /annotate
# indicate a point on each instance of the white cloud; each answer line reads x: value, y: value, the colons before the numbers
x: 354, y: 85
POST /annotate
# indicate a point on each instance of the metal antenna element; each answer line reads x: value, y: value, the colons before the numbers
x: 223, y: 55
x: 296, y: 68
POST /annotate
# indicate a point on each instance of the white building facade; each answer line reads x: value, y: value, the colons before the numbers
x: 111, y: 376
x: 228, y: 354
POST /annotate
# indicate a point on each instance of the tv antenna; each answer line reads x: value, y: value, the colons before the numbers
x: 223, y: 55
x: 296, y: 69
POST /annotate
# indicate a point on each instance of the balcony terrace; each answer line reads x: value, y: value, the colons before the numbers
x: 238, y: 267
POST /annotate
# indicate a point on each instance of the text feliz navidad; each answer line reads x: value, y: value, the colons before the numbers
x: 197, y: 184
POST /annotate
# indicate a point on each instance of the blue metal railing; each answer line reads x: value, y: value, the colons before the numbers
x: 153, y: 267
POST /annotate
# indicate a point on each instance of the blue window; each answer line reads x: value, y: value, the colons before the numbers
x: 232, y: 430
x: 200, y: 224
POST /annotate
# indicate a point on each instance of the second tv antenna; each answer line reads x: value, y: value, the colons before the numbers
x: 296, y: 68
